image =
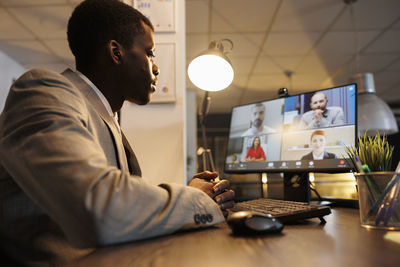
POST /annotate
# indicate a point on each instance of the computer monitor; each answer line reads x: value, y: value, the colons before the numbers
x: 294, y: 134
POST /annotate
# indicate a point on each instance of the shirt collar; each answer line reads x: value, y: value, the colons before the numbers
x: 318, y: 157
x: 98, y: 92
x: 101, y: 96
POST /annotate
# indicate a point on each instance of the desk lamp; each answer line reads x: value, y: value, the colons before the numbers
x: 210, y: 71
x: 374, y: 115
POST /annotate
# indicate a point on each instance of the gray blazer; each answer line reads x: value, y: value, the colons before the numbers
x: 65, y: 184
x: 327, y: 155
x: 333, y: 117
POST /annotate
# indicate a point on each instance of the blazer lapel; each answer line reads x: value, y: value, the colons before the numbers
x: 88, y: 92
x: 133, y: 164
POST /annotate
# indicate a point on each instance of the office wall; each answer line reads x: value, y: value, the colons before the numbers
x: 10, y: 70
x: 157, y: 131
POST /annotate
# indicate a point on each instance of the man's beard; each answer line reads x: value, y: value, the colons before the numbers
x: 257, y: 123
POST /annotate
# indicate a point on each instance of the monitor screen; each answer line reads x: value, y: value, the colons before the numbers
x: 300, y: 133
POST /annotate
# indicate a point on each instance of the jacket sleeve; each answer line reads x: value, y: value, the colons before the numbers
x: 339, y: 116
x: 45, y: 145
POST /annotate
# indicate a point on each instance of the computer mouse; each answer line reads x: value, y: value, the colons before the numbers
x: 253, y: 223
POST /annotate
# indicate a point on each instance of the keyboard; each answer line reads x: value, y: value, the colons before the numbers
x: 284, y: 210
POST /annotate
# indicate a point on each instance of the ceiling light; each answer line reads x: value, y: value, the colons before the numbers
x: 374, y: 115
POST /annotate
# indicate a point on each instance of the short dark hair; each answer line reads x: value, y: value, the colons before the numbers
x: 319, y: 93
x: 95, y: 22
x: 259, y: 104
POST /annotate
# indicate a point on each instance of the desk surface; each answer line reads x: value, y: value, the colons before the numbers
x: 340, y: 242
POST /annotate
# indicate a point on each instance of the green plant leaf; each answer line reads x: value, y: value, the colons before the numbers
x: 375, y: 152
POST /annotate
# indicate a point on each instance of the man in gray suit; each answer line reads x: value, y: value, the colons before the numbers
x: 320, y: 115
x: 69, y: 181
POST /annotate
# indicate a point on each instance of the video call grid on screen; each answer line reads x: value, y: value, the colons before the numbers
x: 301, y: 133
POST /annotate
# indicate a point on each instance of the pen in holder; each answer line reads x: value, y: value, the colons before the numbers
x: 378, y: 194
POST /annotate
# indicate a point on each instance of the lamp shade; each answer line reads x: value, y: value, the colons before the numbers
x: 211, y: 70
x: 374, y: 115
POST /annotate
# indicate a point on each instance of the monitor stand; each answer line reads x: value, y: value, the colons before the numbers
x: 296, y: 187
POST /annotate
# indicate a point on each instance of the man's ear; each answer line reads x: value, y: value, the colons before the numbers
x: 115, y: 51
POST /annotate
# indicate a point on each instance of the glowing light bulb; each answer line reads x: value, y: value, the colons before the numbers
x: 210, y: 72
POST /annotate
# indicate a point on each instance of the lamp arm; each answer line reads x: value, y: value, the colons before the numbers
x: 204, y: 108
x: 228, y: 41
x: 207, y: 159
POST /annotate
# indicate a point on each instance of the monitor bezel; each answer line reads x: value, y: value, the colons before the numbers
x: 350, y: 168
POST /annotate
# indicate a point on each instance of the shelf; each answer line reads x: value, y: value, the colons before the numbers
x: 309, y: 149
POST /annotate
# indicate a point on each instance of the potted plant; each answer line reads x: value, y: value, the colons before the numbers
x: 375, y: 152
x: 378, y: 187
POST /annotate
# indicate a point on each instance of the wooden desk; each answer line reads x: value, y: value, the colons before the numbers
x: 340, y: 242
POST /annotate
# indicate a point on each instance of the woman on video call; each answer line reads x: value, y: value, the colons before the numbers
x: 255, y: 152
x: 317, y: 143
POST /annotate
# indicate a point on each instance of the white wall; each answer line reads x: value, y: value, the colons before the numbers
x: 157, y: 131
x: 10, y: 70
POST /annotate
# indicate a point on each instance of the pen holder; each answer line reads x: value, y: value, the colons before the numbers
x: 378, y: 196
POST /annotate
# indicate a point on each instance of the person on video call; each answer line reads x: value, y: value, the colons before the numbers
x: 320, y: 115
x: 69, y: 180
x: 317, y: 143
x: 256, y: 122
x: 256, y: 152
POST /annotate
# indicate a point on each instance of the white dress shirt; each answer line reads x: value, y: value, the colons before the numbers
x: 102, y: 98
